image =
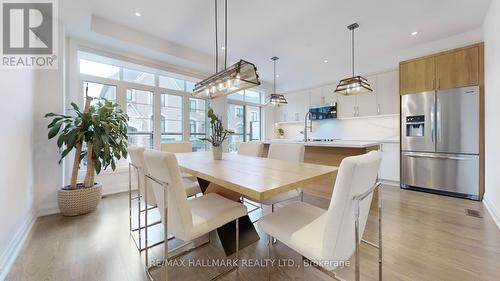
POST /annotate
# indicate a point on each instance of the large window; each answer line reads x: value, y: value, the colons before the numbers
x: 236, y: 122
x: 171, y: 117
x: 140, y: 113
x: 197, y: 123
x: 244, y: 117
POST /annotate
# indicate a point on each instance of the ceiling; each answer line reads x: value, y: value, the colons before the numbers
x: 302, y: 33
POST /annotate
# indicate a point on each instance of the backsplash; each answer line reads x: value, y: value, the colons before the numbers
x: 384, y: 127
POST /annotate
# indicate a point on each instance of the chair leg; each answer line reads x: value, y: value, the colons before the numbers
x: 356, y: 238
x: 302, y: 195
x: 237, y: 242
x: 380, y: 234
x: 272, y: 211
x: 268, y: 257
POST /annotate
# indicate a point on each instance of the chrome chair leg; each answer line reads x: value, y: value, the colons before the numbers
x: 269, y: 244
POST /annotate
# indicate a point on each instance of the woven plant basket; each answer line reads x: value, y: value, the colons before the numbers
x: 75, y: 202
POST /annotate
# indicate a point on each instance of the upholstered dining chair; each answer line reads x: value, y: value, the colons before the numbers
x: 137, y: 164
x: 137, y: 168
x: 330, y: 237
x: 251, y: 149
x: 187, y: 219
x: 180, y: 147
x: 287, y: 152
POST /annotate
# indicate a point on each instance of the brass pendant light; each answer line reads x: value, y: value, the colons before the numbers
x: 275, y: 99
x: 354, y: 84
x: 239, y: 76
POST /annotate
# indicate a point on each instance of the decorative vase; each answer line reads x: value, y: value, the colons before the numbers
x: 217, y: 152
x: 75, y: 202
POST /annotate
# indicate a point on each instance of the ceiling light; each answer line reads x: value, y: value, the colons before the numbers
x: 277, y: 76
x: 239, y: 76
x: 275, y: 99
x: 325, y: 61
x: 222, y: 48
x: 354, y: 84
x: 138, y: 14
x: 414, y: 33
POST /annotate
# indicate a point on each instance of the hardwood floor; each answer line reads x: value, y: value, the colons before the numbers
x: 426, y: 237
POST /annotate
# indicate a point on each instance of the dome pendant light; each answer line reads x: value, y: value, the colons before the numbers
x: 238, y: 77
x: 275, y: 99
x: 355, y: 84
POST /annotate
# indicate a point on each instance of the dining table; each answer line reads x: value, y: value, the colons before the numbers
x: 256, y: 178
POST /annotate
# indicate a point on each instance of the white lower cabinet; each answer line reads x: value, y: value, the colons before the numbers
x: 389, y: 168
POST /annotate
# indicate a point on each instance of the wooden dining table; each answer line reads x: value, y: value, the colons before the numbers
x: 255, y: 178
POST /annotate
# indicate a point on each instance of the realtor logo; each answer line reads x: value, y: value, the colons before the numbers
x: 29, y: 34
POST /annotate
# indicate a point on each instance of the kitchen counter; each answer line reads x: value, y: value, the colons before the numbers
x: 335, y: 143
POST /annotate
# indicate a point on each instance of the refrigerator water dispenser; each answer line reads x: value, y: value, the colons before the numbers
x: 415, y: 126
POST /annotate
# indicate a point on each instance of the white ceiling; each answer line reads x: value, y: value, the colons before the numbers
x: 302, y: 33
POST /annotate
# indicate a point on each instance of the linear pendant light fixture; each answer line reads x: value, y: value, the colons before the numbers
x: 355, y: 84
x: 275, y: 99
x: 239, y: 76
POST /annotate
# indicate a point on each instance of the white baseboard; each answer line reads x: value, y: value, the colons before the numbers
x: 495, y: 214
x: 389, y: 182
x: 14, y: 246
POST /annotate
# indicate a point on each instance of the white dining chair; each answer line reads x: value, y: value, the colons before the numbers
x: 288, y: 152
x: 137, y: 168
x: 138, y: 165
x: 187, y: 219
x: 330, y: 237
x: 181, y: 147
x: 251, y: 149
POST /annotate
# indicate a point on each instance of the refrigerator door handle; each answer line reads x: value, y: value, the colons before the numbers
x: 437, y: 156
x: 439, y: 120
x: 433, y: 132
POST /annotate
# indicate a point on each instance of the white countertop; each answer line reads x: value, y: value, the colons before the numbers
x: 335, y: 143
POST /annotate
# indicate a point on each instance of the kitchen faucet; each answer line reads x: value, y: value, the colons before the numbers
x: 310, y: 127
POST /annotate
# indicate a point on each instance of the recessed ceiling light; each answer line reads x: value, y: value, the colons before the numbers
x: 223, y: 48
x: 325, y: 61
x: 414, y: 33
x: 277, y: 76
x: 138, y: 14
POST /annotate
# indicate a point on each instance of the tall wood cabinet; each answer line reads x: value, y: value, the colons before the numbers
x: 447, y: 70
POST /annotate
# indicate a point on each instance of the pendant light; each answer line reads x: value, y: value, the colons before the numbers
x: 275, y: 99
x: 239, y: 76
x: 355, y: 84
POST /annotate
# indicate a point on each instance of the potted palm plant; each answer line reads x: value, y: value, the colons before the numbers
x: 217, y: 134
x: 98, y: 135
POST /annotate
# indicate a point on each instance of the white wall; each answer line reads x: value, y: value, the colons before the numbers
x: 362, y: 128
x: 49, y: 97
x: 492, y: 114
x: 16, y: 168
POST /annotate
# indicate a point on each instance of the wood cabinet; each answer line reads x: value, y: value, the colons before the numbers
x: 458, y: 69
x: 417, y: 75
x: 447, y: 70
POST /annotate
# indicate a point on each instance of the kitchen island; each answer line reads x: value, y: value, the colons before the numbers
x: 327, y: 153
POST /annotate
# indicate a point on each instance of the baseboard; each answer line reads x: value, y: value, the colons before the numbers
x: 14, y: 247
x: 53, y: 210
x: 389, y: 182
x: 495, y: 214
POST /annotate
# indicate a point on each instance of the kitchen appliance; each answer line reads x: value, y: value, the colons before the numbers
x: 440, y: 142
x: 323, y: 112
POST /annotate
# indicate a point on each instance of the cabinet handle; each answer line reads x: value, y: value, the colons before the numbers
x: 439, y: 83
x: 378, y: 108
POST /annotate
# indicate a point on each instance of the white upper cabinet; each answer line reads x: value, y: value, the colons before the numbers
x: 317, y: 97
x: 346, y: 106
x: 367, y: 102
x: 302, y: 102
x: 388, y: 92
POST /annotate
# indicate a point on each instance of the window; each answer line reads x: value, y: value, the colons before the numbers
x: 99, y: 91
x: 140, y: 113
x: 99, y: 69
x: 139, y: 87
x: 197, y: 123
x: 171, y: 117
x: 192, y: 105
x: 248, y: 96
x: 253, y: 123
x: 236, y: 123
x: 138, y: 77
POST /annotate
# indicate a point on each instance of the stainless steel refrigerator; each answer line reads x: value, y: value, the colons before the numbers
x: 440, y: 142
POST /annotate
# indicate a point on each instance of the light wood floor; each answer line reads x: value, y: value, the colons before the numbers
x: 426, y: 237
